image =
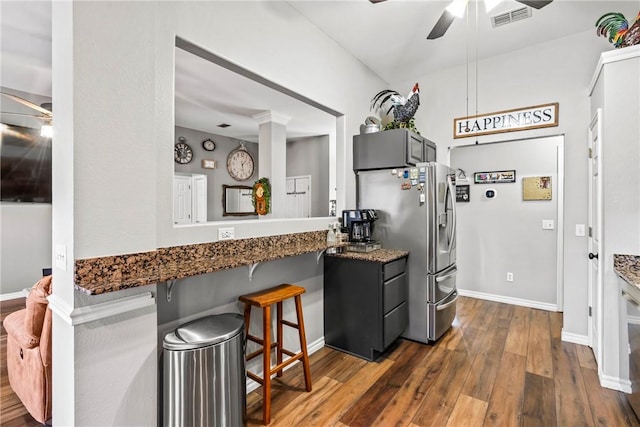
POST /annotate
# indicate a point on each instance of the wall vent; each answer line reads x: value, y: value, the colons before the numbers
x: 509, y: 17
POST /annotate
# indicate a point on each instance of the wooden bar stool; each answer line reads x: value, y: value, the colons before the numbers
x: 264, y: 300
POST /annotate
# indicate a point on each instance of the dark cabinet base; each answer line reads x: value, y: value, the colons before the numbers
x: 365, y: 307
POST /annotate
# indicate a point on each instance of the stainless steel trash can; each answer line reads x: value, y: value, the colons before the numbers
x: 204, y: 381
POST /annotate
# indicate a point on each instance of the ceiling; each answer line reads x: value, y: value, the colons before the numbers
x: 388, y: 37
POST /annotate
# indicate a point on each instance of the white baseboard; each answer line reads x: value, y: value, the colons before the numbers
x: 311, y: 348
x: 633, y: 320
x: 615, y: 383
x: 13, y: 295
x: 575, y: 338
x: 509, y: 300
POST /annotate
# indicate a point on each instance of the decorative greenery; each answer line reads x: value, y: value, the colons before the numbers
x: 266, y: 186
x: 394, y: 124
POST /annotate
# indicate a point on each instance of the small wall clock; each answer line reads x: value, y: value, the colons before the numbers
x: 182, y: 152
x: 208, y: 144
x: 240, y: 164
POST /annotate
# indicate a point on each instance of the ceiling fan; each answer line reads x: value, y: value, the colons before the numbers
x: 45, y: 110
x: 457, y: 8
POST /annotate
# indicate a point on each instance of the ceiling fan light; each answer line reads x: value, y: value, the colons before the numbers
x: 457, y: 8
x: 46, y: 131
x: 490, y: 4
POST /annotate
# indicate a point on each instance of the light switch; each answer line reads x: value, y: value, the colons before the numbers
x: 61, y: 257
x: 547, y: 224
x: 580, y: 230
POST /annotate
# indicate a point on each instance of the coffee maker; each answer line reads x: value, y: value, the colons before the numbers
x: 359, y: 225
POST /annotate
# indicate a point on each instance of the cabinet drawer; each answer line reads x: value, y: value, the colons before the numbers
x: 395, y: 292
x: 393, y: 268
x: 395, y: 322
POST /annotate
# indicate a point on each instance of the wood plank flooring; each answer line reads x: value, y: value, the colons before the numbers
x: 499, y: 365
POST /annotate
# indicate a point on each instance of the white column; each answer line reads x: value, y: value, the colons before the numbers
x: 272, y: 150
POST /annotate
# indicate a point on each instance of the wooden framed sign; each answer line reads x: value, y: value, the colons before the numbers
x: 538, y: 116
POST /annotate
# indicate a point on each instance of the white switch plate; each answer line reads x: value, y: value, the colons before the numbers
x: 580, y: 230
x: 547, y: 224
x: 61, y: 257
x: 227, y: 233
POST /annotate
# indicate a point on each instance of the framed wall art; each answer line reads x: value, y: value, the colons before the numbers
x: 494, y: 177
x: 536, y: 188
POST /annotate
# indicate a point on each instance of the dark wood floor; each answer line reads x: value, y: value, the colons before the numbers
x: 498, y: 365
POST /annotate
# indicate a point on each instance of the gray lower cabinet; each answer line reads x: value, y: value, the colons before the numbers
x: 365, y: 304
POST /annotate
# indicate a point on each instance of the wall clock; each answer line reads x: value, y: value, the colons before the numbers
x: 208, y: 144
x: 240, y: 164
x: 182, y: 152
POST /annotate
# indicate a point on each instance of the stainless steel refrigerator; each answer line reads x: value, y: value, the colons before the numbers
x: 416, y: 212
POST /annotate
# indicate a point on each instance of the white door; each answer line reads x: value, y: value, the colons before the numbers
x: 595, y: 236
x: 181, y: 199
x: 298, y: 199
x: 199, y: 198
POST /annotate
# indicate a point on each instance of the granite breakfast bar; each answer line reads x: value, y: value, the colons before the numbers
x: 95, y: 276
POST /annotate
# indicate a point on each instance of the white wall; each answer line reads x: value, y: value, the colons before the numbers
x: 558, y: 71
x: 25, y: 244
x: 218, y: 177
x: 113, y: 85
x: 310, y: 156
x: 505, y: 234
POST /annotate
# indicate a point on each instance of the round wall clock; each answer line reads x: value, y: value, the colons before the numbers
x: 182, y: 153
x: 240, y: 164
x: 208, y: 145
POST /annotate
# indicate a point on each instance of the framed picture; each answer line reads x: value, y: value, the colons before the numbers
x: 494, y: 177
x: 536, y: 188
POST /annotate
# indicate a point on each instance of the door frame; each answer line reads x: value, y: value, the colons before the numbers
x: 595, y: 289
x: 560, y: 204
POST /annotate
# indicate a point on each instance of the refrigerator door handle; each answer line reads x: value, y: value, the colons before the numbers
x: 453, y: 211
x: 447, y: 276
x: 447, y: 305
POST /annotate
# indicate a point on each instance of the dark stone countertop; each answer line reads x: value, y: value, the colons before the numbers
x: 379, y: 255
x: 628, y: 268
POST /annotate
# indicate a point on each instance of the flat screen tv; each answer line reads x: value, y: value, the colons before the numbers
x: 25, y: 172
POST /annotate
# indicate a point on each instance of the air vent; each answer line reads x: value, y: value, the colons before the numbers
x: 223, y: 125
x: 509, y: 17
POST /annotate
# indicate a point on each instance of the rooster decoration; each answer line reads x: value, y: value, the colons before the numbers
x: 616, y: 27
x: 403, y: 108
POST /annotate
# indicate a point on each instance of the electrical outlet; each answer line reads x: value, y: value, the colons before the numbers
x: 226, y: 233
x: 509, y: 277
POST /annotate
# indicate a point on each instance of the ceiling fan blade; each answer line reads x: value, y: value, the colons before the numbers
x: 536, y: 4
x: 28, y: 104
x: 376, y: 1
x: 442, y: 25
x: 25, y: 115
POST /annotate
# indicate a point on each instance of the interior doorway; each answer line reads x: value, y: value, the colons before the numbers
x: 298, y: 201
x: 510, y: 239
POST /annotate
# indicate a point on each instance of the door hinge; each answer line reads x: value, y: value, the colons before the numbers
x: 590, y: 153
x: 590, y: 311
x: 590, y: 232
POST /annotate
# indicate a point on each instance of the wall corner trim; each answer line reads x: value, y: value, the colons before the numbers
x: 575, y: 338
x: 91, y: 313
x: 615, y: 383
